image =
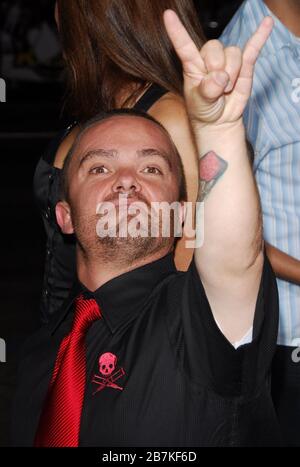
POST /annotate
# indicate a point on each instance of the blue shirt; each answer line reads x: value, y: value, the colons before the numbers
x: 272, y: 120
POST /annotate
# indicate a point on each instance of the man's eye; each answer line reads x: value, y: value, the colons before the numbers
x: 99, y: 170
x: 152, y: 170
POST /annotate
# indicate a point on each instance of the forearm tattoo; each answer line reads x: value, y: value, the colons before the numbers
x: 212, y: 167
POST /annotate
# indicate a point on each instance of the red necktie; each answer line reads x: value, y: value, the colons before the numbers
x: 59, y: 425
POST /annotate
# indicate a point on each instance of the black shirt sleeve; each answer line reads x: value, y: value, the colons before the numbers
x: 205, y: 354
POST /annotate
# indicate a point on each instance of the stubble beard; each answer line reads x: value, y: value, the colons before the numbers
x: 117, y: 250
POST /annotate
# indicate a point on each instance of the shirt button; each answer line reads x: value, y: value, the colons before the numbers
x: 48, y: 252
x: 46, y: 293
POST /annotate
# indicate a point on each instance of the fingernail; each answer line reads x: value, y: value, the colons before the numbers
x: 221, y: 79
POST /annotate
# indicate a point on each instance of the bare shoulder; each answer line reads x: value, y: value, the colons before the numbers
x: 64, y: 147
x: 170, y: 111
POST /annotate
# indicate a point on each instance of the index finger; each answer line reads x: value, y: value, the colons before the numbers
x: 183, y: 44
x: 257, y: 41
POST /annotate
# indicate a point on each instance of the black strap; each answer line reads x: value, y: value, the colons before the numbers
x: 151, y: 96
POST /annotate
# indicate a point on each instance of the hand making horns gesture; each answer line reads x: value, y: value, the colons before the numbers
x: 217, y: 80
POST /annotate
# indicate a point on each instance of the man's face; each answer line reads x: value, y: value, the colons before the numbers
x: 127, y: 156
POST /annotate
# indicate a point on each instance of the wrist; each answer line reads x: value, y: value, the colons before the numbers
x: 218, y: 128
x: 221, y: 136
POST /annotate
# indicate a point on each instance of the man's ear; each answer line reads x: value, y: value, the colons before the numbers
x: 63, y: 217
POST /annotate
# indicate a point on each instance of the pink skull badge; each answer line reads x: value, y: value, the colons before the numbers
x: 107, y: 367
x: 107, y: 363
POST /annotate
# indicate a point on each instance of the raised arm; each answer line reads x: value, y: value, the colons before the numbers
x: 217, y: 85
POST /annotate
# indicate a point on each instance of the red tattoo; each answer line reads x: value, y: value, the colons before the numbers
x: 212, y: 168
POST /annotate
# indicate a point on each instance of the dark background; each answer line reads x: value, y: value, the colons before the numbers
x: 31, y: 65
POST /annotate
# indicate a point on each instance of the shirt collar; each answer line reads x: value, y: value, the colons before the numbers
x: 123, y: 297
x: 255, y: 11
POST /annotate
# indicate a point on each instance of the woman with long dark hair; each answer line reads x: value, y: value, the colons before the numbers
x: 117, y: 55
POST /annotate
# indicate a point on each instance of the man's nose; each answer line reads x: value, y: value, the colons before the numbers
x: 126, y: 182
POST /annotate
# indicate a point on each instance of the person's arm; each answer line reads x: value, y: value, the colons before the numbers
x: 170, y: 111
x: 285, y: 267
x: 217, y: 85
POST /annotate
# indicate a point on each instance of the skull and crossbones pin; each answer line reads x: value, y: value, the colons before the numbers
x: 107, y: 368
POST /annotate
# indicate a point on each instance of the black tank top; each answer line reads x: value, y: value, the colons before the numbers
x: 60, y: 267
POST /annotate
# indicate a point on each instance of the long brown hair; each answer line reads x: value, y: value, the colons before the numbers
x: 112, y: 45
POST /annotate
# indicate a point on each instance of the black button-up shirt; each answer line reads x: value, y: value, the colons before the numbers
x: 168, y: 376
